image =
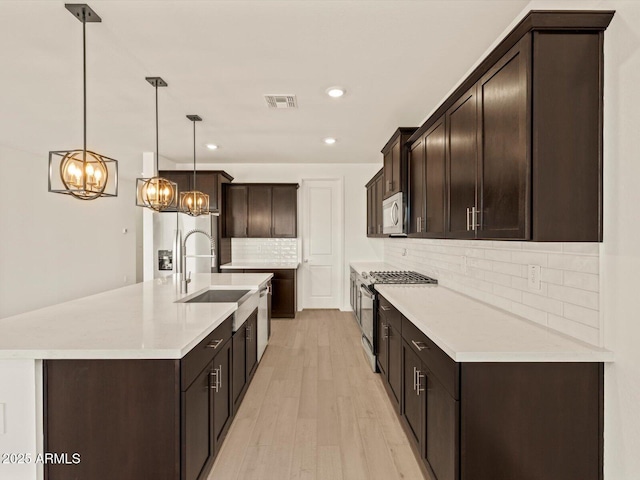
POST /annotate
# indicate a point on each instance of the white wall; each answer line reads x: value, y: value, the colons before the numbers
x: 54, y: 247
x: 356, y: 244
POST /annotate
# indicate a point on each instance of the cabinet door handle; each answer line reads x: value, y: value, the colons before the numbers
x: 247, y: 335
x: 419, y: 376
x: 215, y: 343
x: 468, y: 220
x: 414, y: 379
x: 219, y: 376
x: 474, y: 218
x: 419, y: 345
x: 385, y: 308
x: 213, y: 380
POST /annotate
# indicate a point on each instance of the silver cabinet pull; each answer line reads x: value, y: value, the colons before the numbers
x: 219, y: 376
x: 213, y: 380
x: 419, y: 221
x: 215, y: 343
x: 468, y: 220
x: 474, y: 216
x: 419, y: 345
x: 415, y: 371
x: 385, y: 308
x: 247, y: 335
x: 419, y: 388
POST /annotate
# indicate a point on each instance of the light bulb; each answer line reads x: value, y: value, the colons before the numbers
x: 166, y: 191
x: 71, y: 170
x: 189, y: 201
x: 98, y: 174
x: 151, y: 190
x: 89, y: 169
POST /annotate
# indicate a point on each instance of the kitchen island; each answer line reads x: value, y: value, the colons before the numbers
x: 122, y: 362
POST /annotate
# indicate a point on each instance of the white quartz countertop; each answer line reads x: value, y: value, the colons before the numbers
x: 137, y: 321
x: 472, y: 331
x: 361, y: 267
x: 260, y: 265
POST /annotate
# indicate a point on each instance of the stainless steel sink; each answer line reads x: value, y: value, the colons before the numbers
x: 220, y: 296
x: 247, y: 301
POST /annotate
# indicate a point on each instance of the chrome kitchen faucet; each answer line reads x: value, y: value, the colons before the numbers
x: 184, y: 280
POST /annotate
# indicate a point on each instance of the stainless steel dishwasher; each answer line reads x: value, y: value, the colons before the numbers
x: 263, y: 319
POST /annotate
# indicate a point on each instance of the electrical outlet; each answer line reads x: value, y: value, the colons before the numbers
x: 465, y: 267
x: 533, y: 277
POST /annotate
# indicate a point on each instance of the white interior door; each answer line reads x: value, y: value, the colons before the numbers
x: 322, y: 243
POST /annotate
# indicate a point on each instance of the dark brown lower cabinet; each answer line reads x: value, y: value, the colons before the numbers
x: 500, y: 421
x: 245, y: 357
x: 138, y: 419
x: 284, y: 291
x: 389, y: 349
x: 239, y: 365
x: 222, y: 400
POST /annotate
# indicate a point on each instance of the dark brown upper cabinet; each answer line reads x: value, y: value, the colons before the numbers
x: 235, y: 211
x: 285, y: 211
x: 375, y: 192
x: 462, y: 150
x: 427, y: 177
x: 209, y: 182
x: 395, y: 155
x: 259, y: 210
x: 523, y: 139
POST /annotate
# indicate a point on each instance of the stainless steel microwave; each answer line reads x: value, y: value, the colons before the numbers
x: 393, y: 215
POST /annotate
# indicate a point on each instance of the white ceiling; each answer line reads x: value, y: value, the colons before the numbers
x: 397, y: 60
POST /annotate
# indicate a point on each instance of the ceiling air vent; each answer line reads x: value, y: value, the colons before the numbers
x: 281, y: 101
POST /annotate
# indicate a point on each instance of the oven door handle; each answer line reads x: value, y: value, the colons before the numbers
x: 365, y: 291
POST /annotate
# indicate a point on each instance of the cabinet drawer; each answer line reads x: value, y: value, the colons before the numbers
x: 194, y: 361
x: 390, y: 314
x: 441, y: 365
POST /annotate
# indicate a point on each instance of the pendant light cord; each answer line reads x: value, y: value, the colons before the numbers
x: 194, y: 155
x: 84, y: 84
x: 157, y: 149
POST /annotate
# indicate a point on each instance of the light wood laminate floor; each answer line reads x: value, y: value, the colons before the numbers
x: 315, y: 410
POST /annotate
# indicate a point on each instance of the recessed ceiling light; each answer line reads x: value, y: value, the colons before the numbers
x: 336, y: 92
x: 329, y: 140
x: 211, y: 146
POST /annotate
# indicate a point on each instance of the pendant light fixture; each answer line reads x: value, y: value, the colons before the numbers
x: 156, y: 193
x: 84, y: 174
x: 194, y: 202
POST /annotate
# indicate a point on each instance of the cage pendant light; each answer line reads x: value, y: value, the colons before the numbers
x: 156, y: 193
x: 194, y: 202
x: 81, y: 173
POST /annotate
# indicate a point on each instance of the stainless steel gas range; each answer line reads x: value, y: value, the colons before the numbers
x: 364, y: 300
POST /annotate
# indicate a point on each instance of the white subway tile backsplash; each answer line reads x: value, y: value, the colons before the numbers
x: 586, y: 248
x: 584, y: 281
x: 574, y: 295
x: 496, y: 273
x: 575, y: 263
x: 530, y: 258
x: 583, y: 315
x: 264, y: 249
x: 574, y: 329
x: 541, y: 302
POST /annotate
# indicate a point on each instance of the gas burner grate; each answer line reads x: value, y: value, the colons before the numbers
x: 401, y: 277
